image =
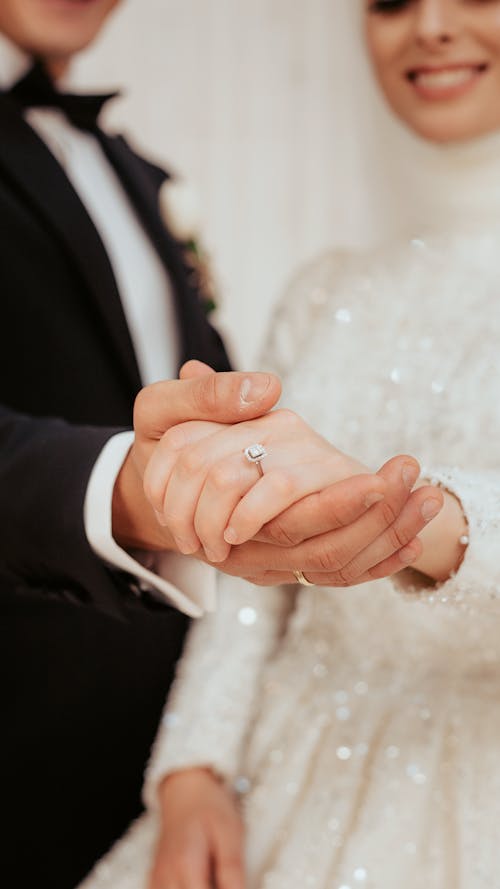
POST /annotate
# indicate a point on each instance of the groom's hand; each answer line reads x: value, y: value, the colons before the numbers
x: 200, y: 394
x: 335, y: 540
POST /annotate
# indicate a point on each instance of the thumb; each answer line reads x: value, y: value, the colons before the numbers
x: 192, y: 369
x: 216, y: 397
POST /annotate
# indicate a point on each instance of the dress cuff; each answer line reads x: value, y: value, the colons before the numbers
x: 186, y: 584
x: 478, y: 576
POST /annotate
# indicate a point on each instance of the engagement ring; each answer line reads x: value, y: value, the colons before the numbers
x: 254, y: 454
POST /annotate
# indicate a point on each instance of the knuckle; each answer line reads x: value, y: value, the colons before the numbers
x: 174, y: 439
x: 348, y: 574
x: 223, y: 476
x: 282, y: 484
x: 285, y: 416
x: 205, y: 394
x: 328, y: 504
x: 332, y: 557
x: 191, y: 462
x: 388, y: 513
x: 325, y: 560
x: 398, y: 537
x: 277, y: 532
x: 173, y: 521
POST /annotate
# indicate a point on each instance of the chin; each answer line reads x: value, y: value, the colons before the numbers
x: 448, y: 132
x: 443, y: 125
x: 53, y: 48
x: 54, y: 28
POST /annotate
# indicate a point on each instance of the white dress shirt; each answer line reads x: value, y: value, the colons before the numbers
x: 147, y: 301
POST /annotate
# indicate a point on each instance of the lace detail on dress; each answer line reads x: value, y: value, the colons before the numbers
x: 478, y: 577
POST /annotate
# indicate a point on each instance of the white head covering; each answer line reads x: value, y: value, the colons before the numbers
x: 409, y: 185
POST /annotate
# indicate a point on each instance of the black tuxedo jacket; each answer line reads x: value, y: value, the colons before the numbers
x: 85, y: 664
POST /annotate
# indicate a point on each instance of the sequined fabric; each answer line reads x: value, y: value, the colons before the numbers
x: 362, y: 726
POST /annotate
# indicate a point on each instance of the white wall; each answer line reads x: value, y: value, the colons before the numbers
x: 255, y: 102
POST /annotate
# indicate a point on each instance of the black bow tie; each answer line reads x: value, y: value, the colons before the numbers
x: 36, y: 90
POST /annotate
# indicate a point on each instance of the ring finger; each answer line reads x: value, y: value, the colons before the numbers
x: 226, y: 483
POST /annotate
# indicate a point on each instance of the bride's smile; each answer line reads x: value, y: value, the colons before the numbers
x: 444, y: 82
x: 438, y: 63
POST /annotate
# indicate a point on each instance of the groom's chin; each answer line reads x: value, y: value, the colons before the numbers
x: 55, y: 29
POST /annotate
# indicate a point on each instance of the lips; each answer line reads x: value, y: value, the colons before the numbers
x: 445, y: 81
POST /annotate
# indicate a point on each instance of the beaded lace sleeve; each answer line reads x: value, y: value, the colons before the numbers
x: 210, y: 707
x: 478, y: 577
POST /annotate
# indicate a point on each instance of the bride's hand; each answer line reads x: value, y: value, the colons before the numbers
x: 206, y: 493
x: 201, y: 835
x: 336, y: 534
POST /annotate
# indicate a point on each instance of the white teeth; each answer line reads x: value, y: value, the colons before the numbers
x: 444, y: 79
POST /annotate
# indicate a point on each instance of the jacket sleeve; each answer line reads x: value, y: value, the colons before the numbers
x: 45, y: 465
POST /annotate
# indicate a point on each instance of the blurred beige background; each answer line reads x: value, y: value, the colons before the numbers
x: 257, y: 104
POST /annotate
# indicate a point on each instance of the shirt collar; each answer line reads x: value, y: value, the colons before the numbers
x: 14, y: 63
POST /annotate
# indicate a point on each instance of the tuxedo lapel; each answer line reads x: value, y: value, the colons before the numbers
x: 27, y: 161
x: 142, y: 188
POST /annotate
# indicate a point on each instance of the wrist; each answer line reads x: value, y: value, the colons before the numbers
x: 443, y: 541
x: 134, y: 524
x: 185, y: 778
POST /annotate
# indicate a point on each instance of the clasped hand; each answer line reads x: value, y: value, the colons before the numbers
x: 315, y: 509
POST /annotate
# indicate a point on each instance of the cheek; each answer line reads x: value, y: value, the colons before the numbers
x: 488, y: 35
x: 386, y: 45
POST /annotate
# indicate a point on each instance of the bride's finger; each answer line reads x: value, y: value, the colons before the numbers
x: 194, y: 463
x: 166, y: 453
x: 276, y: 491
x: 226, y: 483
x: 337, y: 506
x: 188, y: 476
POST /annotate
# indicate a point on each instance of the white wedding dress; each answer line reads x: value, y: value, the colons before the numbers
x: 362, y: 726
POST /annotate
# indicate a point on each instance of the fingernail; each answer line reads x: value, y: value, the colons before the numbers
x: 230, y: 536
x: 160, y: 518
x: 254, y: 388
x: 407, y: 555
x: 430, y: 509
x: 186, y: 547
x: 410, y: 474
x: 373, y: 498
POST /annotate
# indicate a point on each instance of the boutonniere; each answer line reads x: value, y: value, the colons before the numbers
x: 180, y: 210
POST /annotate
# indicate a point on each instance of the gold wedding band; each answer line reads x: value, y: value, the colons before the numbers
x: 299, y: 577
